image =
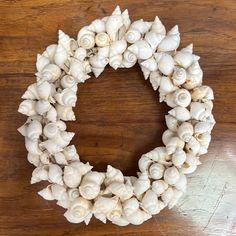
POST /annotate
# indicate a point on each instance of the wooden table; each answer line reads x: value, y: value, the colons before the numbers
x: 118, y: 115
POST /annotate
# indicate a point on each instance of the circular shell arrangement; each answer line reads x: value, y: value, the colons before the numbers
x: 48, y: 103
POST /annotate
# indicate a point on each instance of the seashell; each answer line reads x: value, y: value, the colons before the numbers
x: 71, y: 153
x: 44, y: 90
x: 182, y: 97
x: 87, y: 41
x: 51, y: 146
x: 204, y: 139
x: 186, y: 169
x: 66, y: 97
x: 142, y: 184
x: 55, y: 174
x: 158, y: 27
x: 171, y: 41
x: 140, y: 25
x: 178, y: 157
x: 202, y: 93
x: 192, y: 160
x: 154, y: 38
x: 60, y: 158
x: 179, y: 76
x: 171, y: 175
x: 52, y: 114
x: 159, y: 186
x: 165, y: 63
x: 34, y: 130
x: 172, y: 123
x: 32, y: 146
x: 97, y: 26
x: 150, y: 64
x: 33, y: 159
x: 156, y: 171
x: 169, y: 99
x: 45, y: 158
x: 180, y: 113
x: 117, y: 47
x: 41, y: 62
x: 59, y: 192
x: 73, y: 193
x: 115, y: 213
x: 141, y: 49
x: 115, y: 61
x: 150, y: 203
x: 61, y: 58
x: 166, y: 136
x: 68, y: 81
x: 77, y: 71
x: 113, y: 175
x: 66, y: 42
x: 167, y: 195
x: 80, y: 54
x: 27, y: 107
x: 133, y: 35
x: 50, y: 72
x: 130, y: 206
x: 98, y: 64
x: 199, y: 111
x: 129, y: 59
x: 181, y: 184
x: 155, y: 79
x: 50, y: 52
x: 185, y: 131
x: 144, y: 163
x: 46, y: 193
x: 63, y: 138
x: 72, y: 176
x: 102, y: 40
x: 50, y: 130
x: 138, y: 217
x: 146, y: 72
x: 40, y: 173
x: 173, y: 143
x: 31, y: 92
x: 121, y: 221
x: 42, y: 106
x: 90, y: 185
x: 166, y: 85
x: 65, y: 113
x: 126, y: 19
x: 192, y: 146
x: 114, y: 23
x: 61, y: 125
x: 81, y: 167
x: 79, y: 211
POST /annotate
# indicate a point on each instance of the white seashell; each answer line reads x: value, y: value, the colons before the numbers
x: 79, y: 211
x: 77, y: 71
x: 44, y: 90
x: 87, y: 41
x: 68, y: 81
x: 159, y: 186
x: 66, y: 42
x: 156, y: 171
x: 114, y: 23
x: 72, y: 176
x: 46, y: 193
x: 61, y: 58
x: 158, y: 27
x: 172, y: 123
x: 150, y: 203
x: 98, y: 62
x: 61, y: 125
x: 51, y: 146
x: 204, y: 139
x: 178, y: 157
x: 141, y: 49
x: 167, y: 195
x: 121, y: 221
x: 192, y: 146
x: 126, y: 19
x: 31, y: 92
x: 102, y: 40
x: 185, y: 131
x: 50, y: 130
x: 180, y: 113
x: 155, y: 79
x: 59, y: 192
x: 202, y: 93
x: 171, y: 175
x: 130, y: 206
x: 71, y: 153
x: 115, y: 213
x: 115, y: 61
x: 158, y: 154
x: 146, y: 72
x: 65, y: 113
x: 142, y: 184
x: 154, y: 38
x: 41, y: 62
x: 171, y: 41
x: 138, y: 217
x: 140, y: 25
x: 129, y: 59
x: 117, y: 47
x: 27, y: 107
x: 80, y: 54
x: 169, y: 99
x: 181, y: 184
x: 188, y: 169
x: 45, y: 158
x: 32, y: 146
x: 55, y: 174
x: 63, y: 138
x: 97, y: 26
x: 52, y: 114
x: 73, y: 193
x: 150, y: 64
x: 133, y: 35
x: 113, y: 175
x: 81, y: 167
x: 179, y: 76
x: 40, y: 173
x: 50, y: 52
x: 173, y: 143
x: 199, y: 111
x: 66, y: 97
x: 166, y: 85
x: 34, y: 130
x: 165, y: 63
x: 166, y: 136
x: 60, y: 158
x: 144, y: 163
x: 182, y: 97
x: 42, y: 106
x: 50, y: 72
x: 33, y: 159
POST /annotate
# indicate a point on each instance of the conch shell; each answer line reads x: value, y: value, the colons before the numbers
x: 150, y: 202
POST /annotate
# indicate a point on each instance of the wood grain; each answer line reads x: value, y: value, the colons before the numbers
x: 118, y: 115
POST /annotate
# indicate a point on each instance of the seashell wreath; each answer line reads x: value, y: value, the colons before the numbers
x: 114, y: 40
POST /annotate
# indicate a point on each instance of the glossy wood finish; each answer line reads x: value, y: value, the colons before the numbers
x: 118, y: 115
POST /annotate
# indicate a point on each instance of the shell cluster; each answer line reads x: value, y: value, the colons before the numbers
x: 49, y: 102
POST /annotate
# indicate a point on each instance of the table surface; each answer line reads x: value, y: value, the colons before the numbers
x: 118, y: 115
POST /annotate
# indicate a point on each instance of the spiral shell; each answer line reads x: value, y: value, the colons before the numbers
x: 34, y: 130
x: 50, y: 130
x: 180, y: 113
x: 141, y: 184
x: 46, y: 193
x: 113, y: 175
x: 102, y: 40
x: 165, y: 63
x: 50, y: 73
x: 141, y: 25
x: 158, y: 27
x: 98, y: 26
x: 40, y: 173
x: 141, y: 49
x: 159, y: 186
x: 65, y: 113
x: 130, y: 206
x: 156, y: 171
x: 138, y: 217
x: 172, y: 123
x: 179, y: 76
x: 193, y: 146
x: 144, y: 163
x: 132, y: 35
x: 115, y: 61
x: 55, y: 174
x: 150, y: 64
x: 72, y: 176
x: 150, y: 202
x: 66, y: 98
x: 185, y: 131
x: 202, y: 93
x: 129, y: 59
x: 171, y: 175
x: 167, y: 195
x: 27, y: 107
x: 155, y: 79
x: 41, y: 62
x: 178, y: 157
x: 199, y: 111
x: 32, y: 146
x: 154, y: 38
x: 182, y: 97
